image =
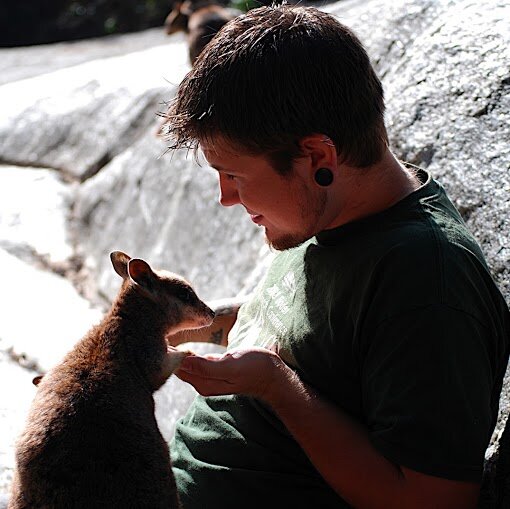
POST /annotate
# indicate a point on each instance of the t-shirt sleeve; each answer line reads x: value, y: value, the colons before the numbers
x: 427, y: 384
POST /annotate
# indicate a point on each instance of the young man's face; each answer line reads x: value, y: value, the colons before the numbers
x: 285, y: 206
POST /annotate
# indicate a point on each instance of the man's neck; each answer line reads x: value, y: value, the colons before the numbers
x: 362, y: 192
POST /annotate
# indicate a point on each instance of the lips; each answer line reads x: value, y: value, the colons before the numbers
x: 256, y: 218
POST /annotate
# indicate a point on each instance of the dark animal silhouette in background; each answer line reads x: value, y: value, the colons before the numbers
x: 201, y: 20
x: 91, y: 439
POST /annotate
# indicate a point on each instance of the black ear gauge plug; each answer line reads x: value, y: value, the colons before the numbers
x: 323, y: 177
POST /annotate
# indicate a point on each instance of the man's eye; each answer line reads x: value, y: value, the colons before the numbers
x: 230, y: 177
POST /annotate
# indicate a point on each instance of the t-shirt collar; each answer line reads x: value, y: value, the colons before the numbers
x: 330, y: 237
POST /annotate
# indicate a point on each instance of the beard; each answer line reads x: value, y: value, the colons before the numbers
x: 287, y: 241
x: 311, y: 214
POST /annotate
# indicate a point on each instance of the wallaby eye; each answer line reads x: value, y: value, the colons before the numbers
x: 184, y: 295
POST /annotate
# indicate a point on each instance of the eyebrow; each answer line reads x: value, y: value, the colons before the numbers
x: 220, y: 168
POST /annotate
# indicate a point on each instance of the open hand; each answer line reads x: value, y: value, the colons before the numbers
x: 253, y: 372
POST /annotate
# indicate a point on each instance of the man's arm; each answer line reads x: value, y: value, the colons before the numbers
x: 217, y: 333
x: 339, y: 447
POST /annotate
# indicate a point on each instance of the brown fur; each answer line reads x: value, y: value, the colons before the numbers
x: 91, y: 440
x: 201, y: 20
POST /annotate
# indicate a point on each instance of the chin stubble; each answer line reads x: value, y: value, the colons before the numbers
x: 310, y: 215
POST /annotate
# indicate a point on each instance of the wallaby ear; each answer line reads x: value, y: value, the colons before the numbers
x: 120, y: 262
x: 186, y: 8
x: 141, y: 273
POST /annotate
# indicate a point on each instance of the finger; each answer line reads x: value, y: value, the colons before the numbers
x: 191, y: 378
x: 191, y: 375
x: 213, y: 356
x: 211, y: 368
x: 188, y: 377
x: 207, y: 387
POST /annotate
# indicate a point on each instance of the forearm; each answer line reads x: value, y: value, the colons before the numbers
x: 338, y: 447
x: 217, y: 333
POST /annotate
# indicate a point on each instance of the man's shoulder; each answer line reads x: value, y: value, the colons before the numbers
x: 426, y: 228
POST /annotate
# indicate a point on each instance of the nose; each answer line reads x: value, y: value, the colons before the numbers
x: 228, y: 191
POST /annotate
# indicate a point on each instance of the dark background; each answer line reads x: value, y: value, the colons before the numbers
x: 28, y: 22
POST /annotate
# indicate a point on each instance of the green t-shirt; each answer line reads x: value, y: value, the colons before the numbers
x: 394, y: 318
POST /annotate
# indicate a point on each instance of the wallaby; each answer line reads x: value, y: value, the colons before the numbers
x: 201, y: 20
x: 91, y: 440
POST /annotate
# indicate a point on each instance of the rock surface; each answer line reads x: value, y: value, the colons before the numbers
x: 25, y: 62
x: 34, y: 204
x: 78, y: 118
x: 84, y: 114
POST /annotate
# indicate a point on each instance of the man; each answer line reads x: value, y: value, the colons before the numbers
x: 366, y: 369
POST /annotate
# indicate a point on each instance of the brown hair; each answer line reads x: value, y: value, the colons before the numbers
x: 275, y: 75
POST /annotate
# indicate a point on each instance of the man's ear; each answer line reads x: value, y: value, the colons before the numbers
x: 120, y: 262
x: 321, y: 151
x: 140, y: 272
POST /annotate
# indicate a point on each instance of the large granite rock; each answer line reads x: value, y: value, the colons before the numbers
x: 34, y: 211
x: 78, y: 118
